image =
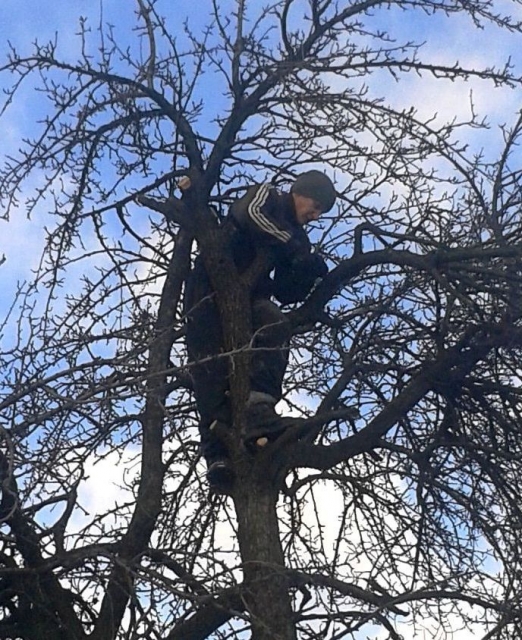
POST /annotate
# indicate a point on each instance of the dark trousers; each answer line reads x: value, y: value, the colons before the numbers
x: 269, y: 358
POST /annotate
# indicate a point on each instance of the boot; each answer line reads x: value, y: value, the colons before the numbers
x: 220, y: 473
x: 263, y: 423
x: 220, y: 477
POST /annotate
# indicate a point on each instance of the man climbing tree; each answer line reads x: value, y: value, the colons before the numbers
x: 262, y: 224
x: 391, y: 508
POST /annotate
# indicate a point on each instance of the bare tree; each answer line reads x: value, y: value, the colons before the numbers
x: 405, y: 369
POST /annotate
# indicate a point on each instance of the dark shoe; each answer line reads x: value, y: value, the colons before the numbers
x: 263, y: 424
x: 220, y: 477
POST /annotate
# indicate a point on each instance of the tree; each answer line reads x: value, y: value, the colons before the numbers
x: 405, y: 364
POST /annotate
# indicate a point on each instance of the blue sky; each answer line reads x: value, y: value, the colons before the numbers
x: 447, y: 40
x: 23, y: 21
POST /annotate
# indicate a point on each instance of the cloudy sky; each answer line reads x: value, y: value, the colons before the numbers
x: 447, y: 40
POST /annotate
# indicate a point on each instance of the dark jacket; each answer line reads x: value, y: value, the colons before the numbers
x: 264, y: 219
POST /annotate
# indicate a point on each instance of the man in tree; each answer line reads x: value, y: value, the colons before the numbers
x: 262, y: 221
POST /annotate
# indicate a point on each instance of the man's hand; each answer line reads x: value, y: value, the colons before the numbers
x: 318, y: 265
x: 310, y: 265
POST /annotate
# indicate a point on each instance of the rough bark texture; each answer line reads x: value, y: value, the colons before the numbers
x: 266, y: 591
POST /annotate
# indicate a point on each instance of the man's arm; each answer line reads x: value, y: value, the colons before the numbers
x: 256, y: 212
x: 294, y: 281
x: 296, y: 267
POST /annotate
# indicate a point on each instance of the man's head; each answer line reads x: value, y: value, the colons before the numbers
x: 313, y: 194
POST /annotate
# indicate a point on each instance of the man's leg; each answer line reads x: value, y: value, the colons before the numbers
x: 209, y: 373
x: 270, y: 357
x: 269, y: 360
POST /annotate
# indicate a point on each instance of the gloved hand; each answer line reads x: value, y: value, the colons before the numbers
x: 317, y: 265
x: 295, y: 281
x: 310, y: 265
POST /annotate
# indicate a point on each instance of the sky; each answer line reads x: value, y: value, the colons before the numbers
x: 23, y: 21
x: 446, y: 40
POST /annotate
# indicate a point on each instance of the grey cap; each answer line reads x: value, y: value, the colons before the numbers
x: 314, y: 184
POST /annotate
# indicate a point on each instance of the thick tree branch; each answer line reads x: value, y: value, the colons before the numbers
x: 148, y: 502
x: 351, y: 268
x: 475, y: 345
x: 212, y: 614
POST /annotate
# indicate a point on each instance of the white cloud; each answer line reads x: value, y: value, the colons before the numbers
x: 106, y: 486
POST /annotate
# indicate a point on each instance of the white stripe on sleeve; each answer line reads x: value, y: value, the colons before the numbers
x: 260, y: 220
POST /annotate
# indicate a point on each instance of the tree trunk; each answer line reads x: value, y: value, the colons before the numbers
x: 266, y: 587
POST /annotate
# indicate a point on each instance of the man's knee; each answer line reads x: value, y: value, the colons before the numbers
x: 270, y: 323
x: 203, y: 333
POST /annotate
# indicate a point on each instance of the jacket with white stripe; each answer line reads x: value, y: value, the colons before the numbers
x: 265, y: 219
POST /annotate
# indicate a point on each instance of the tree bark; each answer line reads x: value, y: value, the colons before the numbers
x: 265, y: 591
